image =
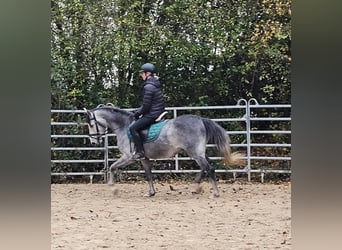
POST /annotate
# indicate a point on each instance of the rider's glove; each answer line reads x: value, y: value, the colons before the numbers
x: 136, y: 114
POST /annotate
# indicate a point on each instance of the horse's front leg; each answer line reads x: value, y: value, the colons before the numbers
x: 148, y: 172
x: 121, y: 162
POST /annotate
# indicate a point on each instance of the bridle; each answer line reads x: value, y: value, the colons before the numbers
x: 96, y: 135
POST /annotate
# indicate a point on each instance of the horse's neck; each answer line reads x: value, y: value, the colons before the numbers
x: 121, y: 136
x: 117, y: 124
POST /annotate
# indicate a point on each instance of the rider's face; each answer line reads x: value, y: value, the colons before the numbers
x: 143, y: 75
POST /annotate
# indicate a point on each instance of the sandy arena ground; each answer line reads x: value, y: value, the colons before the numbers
x: 246, y: 216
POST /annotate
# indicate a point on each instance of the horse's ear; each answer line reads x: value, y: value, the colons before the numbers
x: 88, y: 115
x: 87, y: 111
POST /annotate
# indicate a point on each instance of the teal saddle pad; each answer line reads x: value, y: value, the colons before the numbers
x: 152, y: 133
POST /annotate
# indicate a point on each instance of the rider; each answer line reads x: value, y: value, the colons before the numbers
x: 153, y: 104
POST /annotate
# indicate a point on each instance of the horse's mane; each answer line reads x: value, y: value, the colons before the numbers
x: 112, y: 108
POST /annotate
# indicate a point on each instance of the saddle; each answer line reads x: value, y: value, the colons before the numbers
x: 152, y: 133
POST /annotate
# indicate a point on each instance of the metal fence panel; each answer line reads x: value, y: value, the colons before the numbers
x: 254, y: 126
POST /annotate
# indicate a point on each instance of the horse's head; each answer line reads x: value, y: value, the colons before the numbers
x: 97, y: 126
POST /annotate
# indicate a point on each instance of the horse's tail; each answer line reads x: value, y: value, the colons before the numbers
x: 217, y: 135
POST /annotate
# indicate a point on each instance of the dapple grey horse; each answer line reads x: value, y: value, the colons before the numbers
x: 190, y: 133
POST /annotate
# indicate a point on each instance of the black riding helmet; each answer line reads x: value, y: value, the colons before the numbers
x: 148, y: 67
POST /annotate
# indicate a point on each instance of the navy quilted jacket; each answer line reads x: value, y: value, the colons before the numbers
x: 153, y: 103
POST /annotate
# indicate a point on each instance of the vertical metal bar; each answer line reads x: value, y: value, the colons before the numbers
x: 106, y: 157
x: 176, y: 156
x: 176, y: 162
x: 248, y: 128
x: 248, y: 122
x: 248, y: 136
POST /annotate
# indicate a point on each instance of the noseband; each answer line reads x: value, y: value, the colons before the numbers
x: 97, y: 135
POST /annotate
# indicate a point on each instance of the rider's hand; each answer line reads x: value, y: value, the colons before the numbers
x: 136, y: 114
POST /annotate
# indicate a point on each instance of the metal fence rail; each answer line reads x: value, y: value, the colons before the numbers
x: 244, y: 112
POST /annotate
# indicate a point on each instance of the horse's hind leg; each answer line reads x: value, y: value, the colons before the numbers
x: 148, y: 172
x: 198, y: 180
x: 206, y: 167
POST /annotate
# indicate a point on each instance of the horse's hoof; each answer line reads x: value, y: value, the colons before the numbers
x: 198, y: 190
x: 115, y: 190
x: 149, y: 194
x: 110, y: 183
x: 212, y: 196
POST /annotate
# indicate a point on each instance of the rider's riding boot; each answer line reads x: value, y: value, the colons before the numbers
x: 139, y: 153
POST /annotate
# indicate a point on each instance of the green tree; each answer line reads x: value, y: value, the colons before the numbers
x: 207, y: 52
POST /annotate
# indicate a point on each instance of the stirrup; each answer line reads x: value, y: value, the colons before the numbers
x: 161, y: 116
